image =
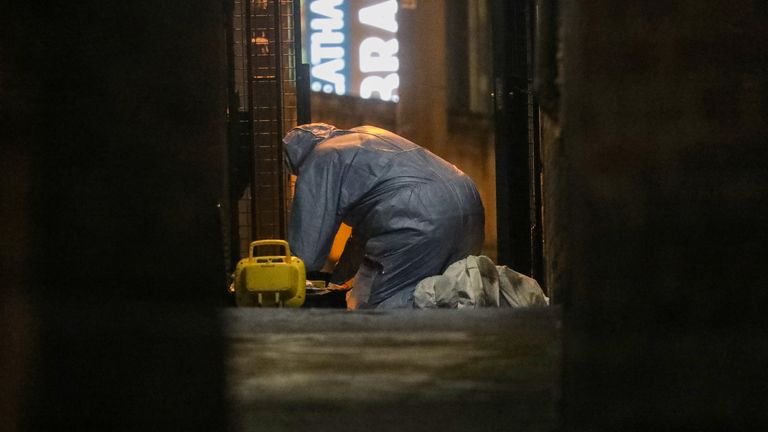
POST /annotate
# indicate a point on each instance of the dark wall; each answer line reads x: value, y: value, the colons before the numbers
x: 116, y: 112
x: 655, y: 191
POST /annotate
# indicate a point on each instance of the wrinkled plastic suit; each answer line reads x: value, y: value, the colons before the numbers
x: 476, y: 282
x: 412, y: 213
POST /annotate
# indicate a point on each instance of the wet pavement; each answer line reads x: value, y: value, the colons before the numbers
x: 323, y: 369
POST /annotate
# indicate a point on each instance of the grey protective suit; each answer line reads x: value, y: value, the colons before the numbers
x: 412, y: 213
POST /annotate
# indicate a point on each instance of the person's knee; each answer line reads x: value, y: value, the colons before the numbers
x: 402, y: 299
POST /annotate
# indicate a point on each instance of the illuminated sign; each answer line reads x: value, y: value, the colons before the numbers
x: 353, y: 47
x: 378, y: 60
x: 328, y: 52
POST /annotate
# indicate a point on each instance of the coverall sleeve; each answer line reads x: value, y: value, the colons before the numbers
x: 314, y: 214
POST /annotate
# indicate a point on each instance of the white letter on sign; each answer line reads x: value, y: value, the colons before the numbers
x: 380, y: 15
x: 383, y: 86
x: 319, y: 49
x: 329, y: 71
x: 378, y: 55
x: 327, y: 8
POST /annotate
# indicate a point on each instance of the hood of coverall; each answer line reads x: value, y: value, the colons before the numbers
x: 300, y: 141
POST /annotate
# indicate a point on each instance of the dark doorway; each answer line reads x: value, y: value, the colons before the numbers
x: 518, y: 165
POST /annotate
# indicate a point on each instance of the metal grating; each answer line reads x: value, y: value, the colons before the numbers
x: 264, y: 50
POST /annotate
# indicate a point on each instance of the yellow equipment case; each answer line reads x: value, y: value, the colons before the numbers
x: 270, y: 281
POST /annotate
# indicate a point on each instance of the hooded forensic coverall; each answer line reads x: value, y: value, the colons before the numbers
x: 412, y: 213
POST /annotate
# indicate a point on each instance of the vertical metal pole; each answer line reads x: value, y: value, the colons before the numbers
x: 537, y: 239
x: 511, y: 73
x: 279, y: 118
x: 303, y: 103
x: 229, y: 221
x: 251, y: 126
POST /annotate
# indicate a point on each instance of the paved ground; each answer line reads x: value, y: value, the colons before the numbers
x: 334, y: 370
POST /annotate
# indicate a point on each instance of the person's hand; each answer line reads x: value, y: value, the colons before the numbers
x: 343, y: 287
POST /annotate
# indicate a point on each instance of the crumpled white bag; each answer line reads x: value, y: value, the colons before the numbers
x: 476, y: 282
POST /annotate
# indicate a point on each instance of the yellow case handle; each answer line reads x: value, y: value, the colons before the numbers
x: 282, y: 243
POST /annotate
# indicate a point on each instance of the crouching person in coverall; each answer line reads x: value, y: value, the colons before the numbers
x: 412, y: 213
